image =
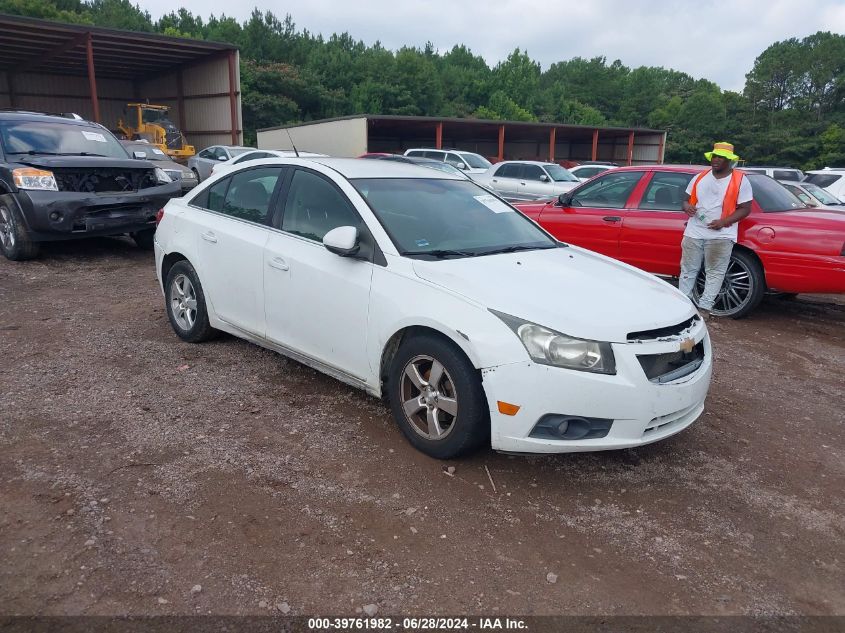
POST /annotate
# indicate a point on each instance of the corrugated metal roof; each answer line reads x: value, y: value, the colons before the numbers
x: 31, y: 45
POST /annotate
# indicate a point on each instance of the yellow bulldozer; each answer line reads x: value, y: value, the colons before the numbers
x: 150, y: 122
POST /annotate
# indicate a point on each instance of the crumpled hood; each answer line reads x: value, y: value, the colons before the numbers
x: 568, y: 289
x: 83, y: 162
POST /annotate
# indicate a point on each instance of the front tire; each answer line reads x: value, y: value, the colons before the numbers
x: 743, y: 287
x: 185, y: 304
x: 437, y: 398
x: 15, y: 242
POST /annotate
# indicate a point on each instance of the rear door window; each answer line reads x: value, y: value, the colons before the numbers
x: 433, y: 155
x: 454, y: 159
x: 666, y: 191
x: 510, y: 170
x: 787, y: 174
x: 249, y: 193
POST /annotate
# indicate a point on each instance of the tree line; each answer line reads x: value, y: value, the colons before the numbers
x: 791, y: 111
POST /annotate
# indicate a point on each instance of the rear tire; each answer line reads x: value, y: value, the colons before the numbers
x: 436, y: 397
x: 196, y: 173
x: 185, y: 304
x: 743, y: 287
x: 15, y: 242
x: 145, y: 239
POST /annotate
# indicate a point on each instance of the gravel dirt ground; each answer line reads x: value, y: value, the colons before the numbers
x: 143, y: 475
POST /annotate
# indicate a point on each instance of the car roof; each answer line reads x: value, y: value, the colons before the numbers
x: 42, y: 117
x: 352, y: 168
x: 827, y: 170
x: 690, y: 169
x: 527, y: 162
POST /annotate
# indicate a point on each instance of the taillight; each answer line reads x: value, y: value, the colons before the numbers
x: 159, y: 216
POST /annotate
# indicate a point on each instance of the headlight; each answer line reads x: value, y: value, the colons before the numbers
x: 548, y: 347
x: 188, y: 175
x: 162, y: 177
x: 38, y: 179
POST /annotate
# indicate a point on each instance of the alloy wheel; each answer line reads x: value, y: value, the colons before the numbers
x: 429, y: 399
x: 737, y: 289
x: 7, y: 229
x: 183, y: 302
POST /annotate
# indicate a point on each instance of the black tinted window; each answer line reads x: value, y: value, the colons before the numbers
x: 532, y: 172
x: 787, y: 174
x: 589, y: 172
x: 608, y: 192
x: 822, y: 180
x: 217, y: 195
x: 508, y: 171
x: 315, y: 206
x: 248, y: 194
x: 665, y: 192
x: 773, y: 196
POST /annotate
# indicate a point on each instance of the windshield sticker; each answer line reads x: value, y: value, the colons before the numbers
x: 94, y: 136
x: 158, y: 151
x: 493, y: 203
x: 422, y: 243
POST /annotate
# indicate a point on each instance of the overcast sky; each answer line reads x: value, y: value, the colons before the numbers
x: 710, y: 39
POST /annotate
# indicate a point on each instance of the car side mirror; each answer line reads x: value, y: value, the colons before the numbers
x: 342, y: 241
x: 222, y: 159
x: 139, y: 155
x: 544, y: 178
x: 564, y: 199
x: 460, y: 166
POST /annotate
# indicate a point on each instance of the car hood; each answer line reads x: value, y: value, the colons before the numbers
x: 568, y: 289
x: 83, y: 162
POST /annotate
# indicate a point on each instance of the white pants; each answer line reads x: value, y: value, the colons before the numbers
x: 715, y: 255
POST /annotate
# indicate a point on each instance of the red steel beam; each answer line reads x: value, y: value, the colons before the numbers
x: 595, y: 145
x: 631, y: 148
x: 92, y: 79
x: 233, y: 101
x: 552, y: 142
x: 501, y: 142
x: 438, y: 135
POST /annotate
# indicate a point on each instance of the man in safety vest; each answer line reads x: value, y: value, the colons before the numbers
x: 716, y: 201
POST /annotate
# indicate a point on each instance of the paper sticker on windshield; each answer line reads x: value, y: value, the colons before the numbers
x: 94, y: 136
x: 493, y: 203
x: 158, y: 151
x: 422, y: 243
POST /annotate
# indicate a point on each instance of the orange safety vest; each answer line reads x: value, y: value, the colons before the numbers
x: 731, y: 195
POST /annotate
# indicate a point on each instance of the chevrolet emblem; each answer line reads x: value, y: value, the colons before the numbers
x: 687, y: 345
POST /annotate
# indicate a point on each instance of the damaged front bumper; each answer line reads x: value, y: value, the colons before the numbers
x: 52, y: 215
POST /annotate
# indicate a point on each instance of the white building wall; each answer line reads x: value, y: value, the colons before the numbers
x: 347, y: 138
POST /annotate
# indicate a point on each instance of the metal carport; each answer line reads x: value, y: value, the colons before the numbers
x: 56, y: 67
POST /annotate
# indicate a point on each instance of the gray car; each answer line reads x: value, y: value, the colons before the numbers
x: 177, y: 172
x: 202, y: 163
x: 528, y: 179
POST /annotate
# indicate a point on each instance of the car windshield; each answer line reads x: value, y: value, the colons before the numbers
x: 559, y: 174
x: 824, y: 196
x: 152, y: 152
x: 476, y: 162
x: 773, y: 196
x: 58, y: 139
x: 434, y: 218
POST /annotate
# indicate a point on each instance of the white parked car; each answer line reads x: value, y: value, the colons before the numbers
x: 414, y: 285
x: 528, y: 179
x: 832, y: 179
x: 263, y: 153
x: 588, y: 170
x: 468, y: 162
x: 202, y: 163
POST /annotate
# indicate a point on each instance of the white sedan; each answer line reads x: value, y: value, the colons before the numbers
x: 427, y: 290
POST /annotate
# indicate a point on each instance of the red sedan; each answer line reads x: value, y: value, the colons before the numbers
x: 634, y: 214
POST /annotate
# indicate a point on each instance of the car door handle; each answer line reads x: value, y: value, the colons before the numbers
x: 521, y: 182
x: 612, y: 218
x: 209, y: 237
x: 278, y: 263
